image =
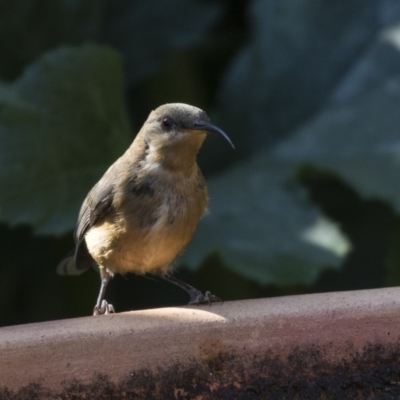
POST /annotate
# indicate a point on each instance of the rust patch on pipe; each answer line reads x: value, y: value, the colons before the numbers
x: 372, y: 373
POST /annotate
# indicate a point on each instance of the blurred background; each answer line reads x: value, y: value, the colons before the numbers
x: 308, y: 91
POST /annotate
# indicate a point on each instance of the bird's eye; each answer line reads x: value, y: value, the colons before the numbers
x: 166, y: 123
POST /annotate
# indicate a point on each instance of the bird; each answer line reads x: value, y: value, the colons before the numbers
x: 140, y: 216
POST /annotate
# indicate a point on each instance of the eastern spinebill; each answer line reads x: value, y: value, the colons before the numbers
x: 142, y: 213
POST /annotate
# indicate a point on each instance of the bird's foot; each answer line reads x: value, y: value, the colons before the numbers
x: 196, y: 298
x: 103, y: 309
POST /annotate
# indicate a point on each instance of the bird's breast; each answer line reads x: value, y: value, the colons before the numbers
x: 146, y: 234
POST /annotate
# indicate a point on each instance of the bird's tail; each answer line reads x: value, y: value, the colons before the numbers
x: 67, y: 265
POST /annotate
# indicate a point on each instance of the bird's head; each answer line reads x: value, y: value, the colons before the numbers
x: 175, y: 132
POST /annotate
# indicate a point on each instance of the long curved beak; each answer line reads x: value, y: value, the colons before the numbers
x: 210, y: 128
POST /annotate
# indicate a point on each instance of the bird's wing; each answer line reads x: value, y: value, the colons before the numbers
x: 96, y: 206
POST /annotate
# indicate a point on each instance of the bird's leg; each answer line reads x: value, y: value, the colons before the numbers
x: 196, y: 297
x: 102, y: 307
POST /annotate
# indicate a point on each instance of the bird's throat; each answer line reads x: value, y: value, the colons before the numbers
x: 172, y: 159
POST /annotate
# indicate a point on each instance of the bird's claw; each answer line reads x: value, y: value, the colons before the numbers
x: 197, y: 298
x: 104, y: 309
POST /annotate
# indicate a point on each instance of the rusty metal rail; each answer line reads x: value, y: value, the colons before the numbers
x: 311, y: 346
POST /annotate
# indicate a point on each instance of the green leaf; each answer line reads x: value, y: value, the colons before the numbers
x: 357, y: 137
x: 61, y: 125
x: 296, y: 54
x: 263, y: 226
x: 294, y: 64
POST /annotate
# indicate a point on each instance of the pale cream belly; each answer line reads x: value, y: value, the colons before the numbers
x: 134, y: 251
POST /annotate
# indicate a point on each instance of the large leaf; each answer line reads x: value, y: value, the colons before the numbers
x: 61, y: 125
x: 358, y: 135
x: 263, y: 226
x: 296, y: 55
x: 360, y: 142
x: 287, y: 73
